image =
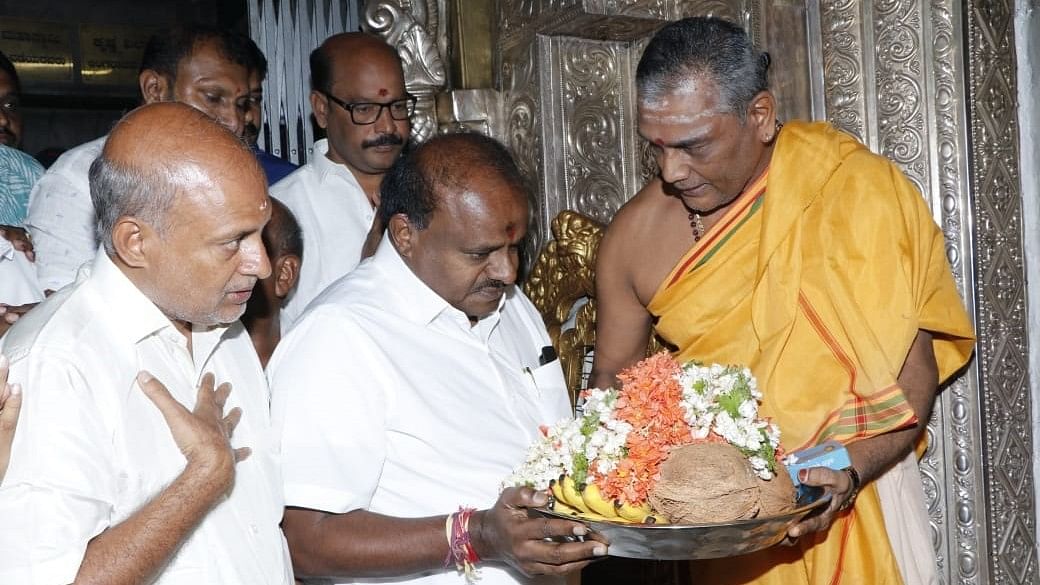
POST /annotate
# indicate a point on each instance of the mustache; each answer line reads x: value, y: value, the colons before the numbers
x: 383, y: 140
x: 490, y: 283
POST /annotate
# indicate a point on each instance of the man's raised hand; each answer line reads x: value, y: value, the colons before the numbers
x: 203, y: 434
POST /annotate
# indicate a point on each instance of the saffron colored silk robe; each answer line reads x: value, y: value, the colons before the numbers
x: 818, y: 279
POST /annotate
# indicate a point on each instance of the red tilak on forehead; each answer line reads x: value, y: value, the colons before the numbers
x: 658, y: 142
x: 383, y: 92
x: 510, y: 231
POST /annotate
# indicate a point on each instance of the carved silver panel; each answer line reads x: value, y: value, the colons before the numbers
x: 417, y: 30
x: 1001, y: 300
x: 588, y: 104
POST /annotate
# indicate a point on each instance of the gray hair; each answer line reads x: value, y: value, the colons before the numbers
x: 704, y: 46
x: 118, y: 190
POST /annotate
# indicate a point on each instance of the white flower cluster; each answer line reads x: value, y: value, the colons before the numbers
x: 606, y: 442
x: 568, y: 446
x: 724, y: 399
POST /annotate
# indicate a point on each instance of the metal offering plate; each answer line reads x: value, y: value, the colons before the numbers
x: 698, y: 541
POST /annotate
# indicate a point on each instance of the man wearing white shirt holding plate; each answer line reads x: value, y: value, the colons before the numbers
x: 411, y: 388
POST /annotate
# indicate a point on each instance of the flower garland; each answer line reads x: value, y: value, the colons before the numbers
x: 624, y: 435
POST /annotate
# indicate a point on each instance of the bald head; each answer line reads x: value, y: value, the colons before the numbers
x: 346, y: 52
x: 156, y: 152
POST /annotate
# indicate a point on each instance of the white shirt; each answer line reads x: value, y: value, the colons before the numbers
x: 388, y: 400
x: 335, y: 216
x: 18, y: 283
x: 61, y: 216
x: 91, y: 448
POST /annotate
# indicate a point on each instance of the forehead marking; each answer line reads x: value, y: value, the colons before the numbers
x: 510, y: 231
x: 383, y: 92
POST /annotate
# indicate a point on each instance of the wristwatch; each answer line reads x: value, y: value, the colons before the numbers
x: 856, y: 484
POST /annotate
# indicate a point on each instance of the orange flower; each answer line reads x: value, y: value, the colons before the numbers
x: 650, y: 400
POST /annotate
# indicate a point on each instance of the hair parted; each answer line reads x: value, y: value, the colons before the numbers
x: 413, y: 184
x: 118, y: 190
x: 704, y: 46
x: 165, y: 51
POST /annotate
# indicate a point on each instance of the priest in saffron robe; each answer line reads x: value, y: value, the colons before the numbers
x: 795, y: 251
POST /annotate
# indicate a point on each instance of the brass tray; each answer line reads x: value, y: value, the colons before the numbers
x: 698, y: 541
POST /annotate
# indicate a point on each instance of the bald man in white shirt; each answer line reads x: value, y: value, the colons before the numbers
x: 102, y: 486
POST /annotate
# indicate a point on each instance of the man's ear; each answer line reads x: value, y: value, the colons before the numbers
x: 762, y: 115
x: 155, y: 87
x: 320, y: 108
x: 132, y: 239
x: 402, y: 234
x: 286, y: 274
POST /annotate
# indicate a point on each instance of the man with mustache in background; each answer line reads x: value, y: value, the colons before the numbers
x: 358, y: 96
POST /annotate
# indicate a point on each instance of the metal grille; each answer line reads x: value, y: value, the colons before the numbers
x: 287, y: 31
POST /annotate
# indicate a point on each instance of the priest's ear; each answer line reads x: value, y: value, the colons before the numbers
x: 761, y: 115
x: 286, y: 273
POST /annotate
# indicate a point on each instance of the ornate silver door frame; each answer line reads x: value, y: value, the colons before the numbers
x: 930, y: 84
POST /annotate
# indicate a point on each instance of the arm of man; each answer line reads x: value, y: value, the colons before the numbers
x: 622, y: 321
x: 135, y: 550
x: 10, y: 404
x: 365, y: 544
x: 919, y: 379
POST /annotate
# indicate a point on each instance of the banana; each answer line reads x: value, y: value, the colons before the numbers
x: 571, y: 495
x: 595, y: 502
x: 560, y: 507
x: 556, y: 486
x: 631, y: 512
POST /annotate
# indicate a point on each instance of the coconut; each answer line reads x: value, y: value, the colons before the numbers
x: 777, y: 495
x: 706, y: 482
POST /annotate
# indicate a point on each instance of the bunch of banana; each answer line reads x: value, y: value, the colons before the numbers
x: 589, y: 503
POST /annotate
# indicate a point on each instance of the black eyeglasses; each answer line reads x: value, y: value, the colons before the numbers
x: 362, y: 113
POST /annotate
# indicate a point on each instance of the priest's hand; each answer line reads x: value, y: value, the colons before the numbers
x: 839, y: 484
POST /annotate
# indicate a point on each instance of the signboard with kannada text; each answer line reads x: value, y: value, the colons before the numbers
x: 111, y: 54
x: 40, y: 50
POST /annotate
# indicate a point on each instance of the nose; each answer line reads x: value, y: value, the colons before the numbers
x: 254, y: 258
x: 673, y: 165
x: 384, y: 124
x: 233, y: 118
x: 503, y: 265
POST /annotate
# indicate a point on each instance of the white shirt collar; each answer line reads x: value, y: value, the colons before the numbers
x: 135, y: 317
x: 420, y: 303
x: 326, y: 166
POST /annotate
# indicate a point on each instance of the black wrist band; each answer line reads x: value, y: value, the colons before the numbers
x: 856, y: 484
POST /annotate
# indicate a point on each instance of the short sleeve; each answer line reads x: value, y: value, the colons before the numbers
x: 59, y: 489
x: 330, y: 413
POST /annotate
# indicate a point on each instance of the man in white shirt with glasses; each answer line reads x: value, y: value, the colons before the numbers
x: 358, y: 96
